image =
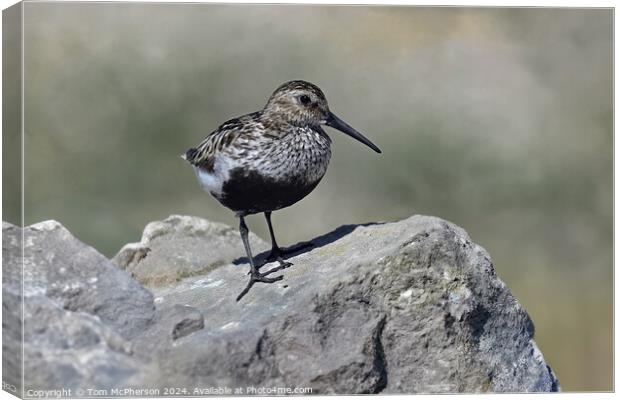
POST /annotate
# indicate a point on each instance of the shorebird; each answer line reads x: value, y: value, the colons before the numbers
x: 268, y: 160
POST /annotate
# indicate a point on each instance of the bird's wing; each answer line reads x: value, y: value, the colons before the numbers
x: 220, y: 140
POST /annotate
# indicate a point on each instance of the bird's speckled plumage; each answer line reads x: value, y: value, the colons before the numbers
x: 269, y: 159
x: 275, y: 144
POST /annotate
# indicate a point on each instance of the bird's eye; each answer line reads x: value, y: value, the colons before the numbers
x: 305, y: 100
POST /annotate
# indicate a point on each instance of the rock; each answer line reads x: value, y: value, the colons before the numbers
x: 180, y: 247
x: 399, y: 307
x: 402, y: 307
x: 79, y: 310
x: 185, y: 320
x: 11, y: 308
x: 81, y: 279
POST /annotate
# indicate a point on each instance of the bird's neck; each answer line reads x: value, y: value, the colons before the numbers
x: 278, y: 117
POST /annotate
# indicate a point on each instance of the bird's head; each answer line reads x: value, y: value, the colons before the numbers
x: 301, y: 103
x: 298, y: 103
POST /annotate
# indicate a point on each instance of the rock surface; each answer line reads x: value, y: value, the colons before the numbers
x: 402, y: 307
x: 180, y: 247
x: 80, y: 311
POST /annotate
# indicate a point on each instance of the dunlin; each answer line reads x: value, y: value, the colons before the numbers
x: 269, y: 160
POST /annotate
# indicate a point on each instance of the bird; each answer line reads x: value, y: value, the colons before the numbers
x: 268, y: 160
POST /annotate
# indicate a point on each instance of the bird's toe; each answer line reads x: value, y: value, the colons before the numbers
x: 265, y: 279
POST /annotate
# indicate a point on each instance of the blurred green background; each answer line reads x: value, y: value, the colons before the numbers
x: 499, y: 120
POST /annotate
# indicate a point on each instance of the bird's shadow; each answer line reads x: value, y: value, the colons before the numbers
x: 305, y: 247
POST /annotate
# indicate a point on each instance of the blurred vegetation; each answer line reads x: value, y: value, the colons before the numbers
x: 499, y: 120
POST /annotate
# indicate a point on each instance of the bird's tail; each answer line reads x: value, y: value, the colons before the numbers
x: 189, y: 154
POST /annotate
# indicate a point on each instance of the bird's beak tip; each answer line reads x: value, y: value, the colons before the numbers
x: 342, y: 126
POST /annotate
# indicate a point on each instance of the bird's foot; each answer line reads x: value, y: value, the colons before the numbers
x: 274, y: 255
x: 281, y: 265
x: 258, y: 277
x: 277, y: 254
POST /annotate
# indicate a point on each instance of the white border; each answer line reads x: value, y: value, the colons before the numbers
x: 479, y: 3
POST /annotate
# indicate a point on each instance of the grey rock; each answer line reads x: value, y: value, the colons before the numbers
x: 185, y: 320
x: 11, y: 308
x: 74, y: 348
x: 403, y: 307
x: 179, y: 247
x: 399, y: 307
x: 81, y: 279
x: 79, y: 312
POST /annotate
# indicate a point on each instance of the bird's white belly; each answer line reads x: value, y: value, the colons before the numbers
x: 213, y: 182
x: 209, y: 181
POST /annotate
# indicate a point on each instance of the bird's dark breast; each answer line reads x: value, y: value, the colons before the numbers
x: 251, y: 192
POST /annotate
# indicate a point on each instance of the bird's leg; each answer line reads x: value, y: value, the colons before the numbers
x: 255, y: 276
x: 276, y: 253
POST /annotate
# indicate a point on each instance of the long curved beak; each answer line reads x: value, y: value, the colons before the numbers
x: 337, y: 123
